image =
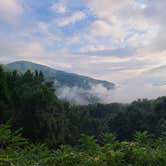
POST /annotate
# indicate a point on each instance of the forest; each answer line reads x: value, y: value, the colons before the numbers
x: 36, y: 128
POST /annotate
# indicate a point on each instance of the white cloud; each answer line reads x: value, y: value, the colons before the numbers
x: 83, y: 96
x: 60, y: 8
x: 119, y: 18
x: 75, y: 17
x: 10, y: 9
x: 100, y: 27
x: 105, y: 8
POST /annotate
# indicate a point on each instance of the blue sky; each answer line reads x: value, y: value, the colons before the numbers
x: 119, y: 41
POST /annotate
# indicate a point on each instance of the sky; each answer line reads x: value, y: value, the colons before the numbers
x: 122, y: 41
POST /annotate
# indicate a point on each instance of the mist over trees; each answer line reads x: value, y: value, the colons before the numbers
x: 29, y: 103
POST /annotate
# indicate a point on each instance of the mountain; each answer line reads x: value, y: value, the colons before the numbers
x: 79, y: 87
x: 64, y: 78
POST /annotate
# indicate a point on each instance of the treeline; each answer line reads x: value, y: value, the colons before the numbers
x: 29, y: 102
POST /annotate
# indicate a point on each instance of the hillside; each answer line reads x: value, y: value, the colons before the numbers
x: 81, y: 88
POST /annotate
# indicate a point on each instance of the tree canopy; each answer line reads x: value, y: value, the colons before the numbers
x: 54, y: 132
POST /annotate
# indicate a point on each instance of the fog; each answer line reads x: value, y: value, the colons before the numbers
x: 96, y: 94
x: 123, y: 93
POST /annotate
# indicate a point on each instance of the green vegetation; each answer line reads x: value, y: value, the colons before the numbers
x: 39, y: 129
x: 64, y: 78
x: 143, y: 151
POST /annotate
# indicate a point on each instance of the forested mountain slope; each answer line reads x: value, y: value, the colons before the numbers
x: 64, y: 78
x: 82, y: 89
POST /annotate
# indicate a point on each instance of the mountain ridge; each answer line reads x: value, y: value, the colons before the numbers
x: 71, y: 87
x: 49, y: 72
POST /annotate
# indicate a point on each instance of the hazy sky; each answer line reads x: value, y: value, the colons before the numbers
x: 122, y: 41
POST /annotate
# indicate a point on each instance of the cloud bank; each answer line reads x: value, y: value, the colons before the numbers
x: 79, y: 96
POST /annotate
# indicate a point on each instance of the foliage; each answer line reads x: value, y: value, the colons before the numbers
x: 42, y: 130
x: 90, y: 153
